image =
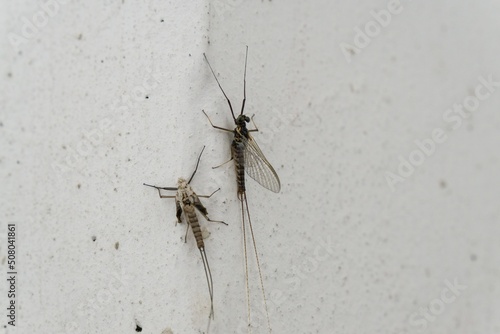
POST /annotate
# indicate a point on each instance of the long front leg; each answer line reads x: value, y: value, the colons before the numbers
x: 215, y: 126
x: 165, y: 196
x: 164, y: 188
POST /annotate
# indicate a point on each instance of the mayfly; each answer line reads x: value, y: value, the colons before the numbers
x: 186, y: 201
x: 248, y: 158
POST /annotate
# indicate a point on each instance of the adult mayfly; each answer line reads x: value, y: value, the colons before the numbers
x: 186, y: 201
x: 248, y: 157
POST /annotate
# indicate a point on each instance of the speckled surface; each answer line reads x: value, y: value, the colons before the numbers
x: 107, y: 95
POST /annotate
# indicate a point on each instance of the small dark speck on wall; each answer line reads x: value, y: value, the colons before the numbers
x: 117, y: 245
x: 94, y: 238
x: 138, y: 328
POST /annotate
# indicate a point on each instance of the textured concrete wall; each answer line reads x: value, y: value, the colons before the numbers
x: 381, y: 118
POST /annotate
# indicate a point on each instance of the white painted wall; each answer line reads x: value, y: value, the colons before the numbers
x: 105, y: 95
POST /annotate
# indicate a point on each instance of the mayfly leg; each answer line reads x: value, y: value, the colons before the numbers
x: 187, y: 202
x: 250, y: 159
x: 215, y: 126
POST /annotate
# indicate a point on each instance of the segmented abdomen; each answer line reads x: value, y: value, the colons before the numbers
x: 239, y: 164
x: 192, y: 220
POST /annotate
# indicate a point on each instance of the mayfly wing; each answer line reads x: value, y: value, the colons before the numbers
x: 257, y: 166
x: 198, y: 205
x: 178, y: 211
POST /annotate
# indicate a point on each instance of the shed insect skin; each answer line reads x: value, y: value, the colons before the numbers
x: 186, y: 201
x: 247, y: 158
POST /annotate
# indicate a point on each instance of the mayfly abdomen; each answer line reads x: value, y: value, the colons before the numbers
x: 192, y: 220
x: 239, y: 164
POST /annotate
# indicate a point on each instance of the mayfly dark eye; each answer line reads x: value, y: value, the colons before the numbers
x: 248, y: 157
x: 186, y: 201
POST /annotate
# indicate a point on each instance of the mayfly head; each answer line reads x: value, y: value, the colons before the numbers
x: 182, y: 183
x: 241, y: 120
